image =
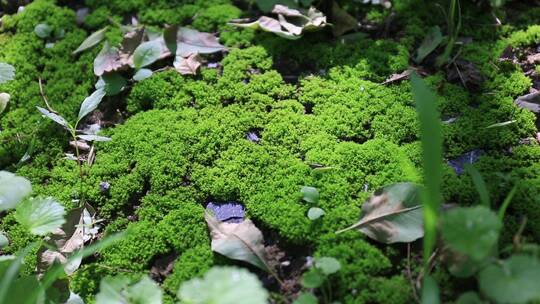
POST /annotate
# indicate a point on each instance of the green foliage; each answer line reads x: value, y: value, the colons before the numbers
x: 224, y: 285
x: 40, y: 216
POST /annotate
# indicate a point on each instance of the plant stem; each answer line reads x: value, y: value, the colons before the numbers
x: 79, y: 163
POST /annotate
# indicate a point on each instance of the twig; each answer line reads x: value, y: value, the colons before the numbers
x: 430, y: 264
x: 517, y: 236
x: 44, y: 97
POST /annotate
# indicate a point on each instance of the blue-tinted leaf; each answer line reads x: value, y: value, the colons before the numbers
x: 91, y: 103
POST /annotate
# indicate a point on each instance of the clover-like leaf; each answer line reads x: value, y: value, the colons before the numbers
x: 310, y: 194
x: 514, y: 280
x: 43, y: 30
x: 306, y: 298
x: 313, y: 278
x: 4, y: 242
x: 472, y: 231
x: 92, y: 40
x: 7, y: 72
x: 315, y: 213
x: 4, y: 99
x: 91, y: 103
x: 142, y: 74
x: 120, y: 290
x: 393, y: 214
x: 113, y: 83
x: 224, y: 285
x: 40, y: 216
x: 238, y: 241
x: 147, y: 53
x: 13, y: 189
x: 327, y: 265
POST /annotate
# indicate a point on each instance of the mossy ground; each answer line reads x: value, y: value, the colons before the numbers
x: 184, y: 142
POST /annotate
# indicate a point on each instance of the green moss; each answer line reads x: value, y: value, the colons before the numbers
x: 194, y: 262
x: 215, y: 17
x: 361, y: 279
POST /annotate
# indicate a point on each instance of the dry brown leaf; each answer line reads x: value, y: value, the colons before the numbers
x: 188, y: 65
x: 238, y: 241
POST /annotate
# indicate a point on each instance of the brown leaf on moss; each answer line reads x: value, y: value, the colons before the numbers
x: 290, y: 23
x: 393, y: 214
x: 238, y: 241
x: 188, y: 65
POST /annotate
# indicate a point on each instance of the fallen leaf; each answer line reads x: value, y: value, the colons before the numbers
x: 290, y: 24
x: 534, y: 58
x: 466, y: 73
x: 432, y: 40
x: 190, y: 41
x: 238, y: 241
x: 342, y: 21
x: 310, y: 194
x: 79, y: 228
x: 91, y: 137
x: 393, y: 214
x: 187, y: 65
x: 529, y: 101
x: 108, y: 60
x: 397, y: 77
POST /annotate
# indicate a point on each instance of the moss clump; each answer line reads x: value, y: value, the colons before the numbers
x: 194, y: 262
x: 364, y: 277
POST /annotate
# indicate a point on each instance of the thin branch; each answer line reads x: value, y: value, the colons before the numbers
x: 409, y: 274
x: 44, y: 97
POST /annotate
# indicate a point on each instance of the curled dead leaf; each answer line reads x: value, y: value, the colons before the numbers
x: 188, y: 65
x: 393, y: 214
x: 238, y: 241
x: 290, y: 23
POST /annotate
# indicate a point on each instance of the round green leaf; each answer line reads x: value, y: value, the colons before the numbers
x: 224, y: 285
x: 327, y: 265
x: 514, y: 280
x: 4, y: 99
x: 306, y: 298
x: 40, y: 216
x: 313, y: 278
x: 311, y: 194
x: 13, y: 189
x: 147, y: 53
x: 142, y: 74
x: 315, y: 213
x: 469, y: 297
x: 113, y: 83
x: 3, y: 240
x: 43, y: 30
x: 471, y: 231
x: 7, y: 72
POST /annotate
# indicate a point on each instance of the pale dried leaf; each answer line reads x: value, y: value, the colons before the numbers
x: 393, y: 214
x: 238, y: 241
x: 190, y: 41
x: 187, y: 65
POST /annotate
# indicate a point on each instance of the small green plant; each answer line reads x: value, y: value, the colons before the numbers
x: 317, y: 278
x: 88, y: 105
x: 41, y: 217
x: 470, y: 234
x: 311, y: 195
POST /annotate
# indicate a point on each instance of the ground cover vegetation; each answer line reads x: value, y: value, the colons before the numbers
x: 295, y: 151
